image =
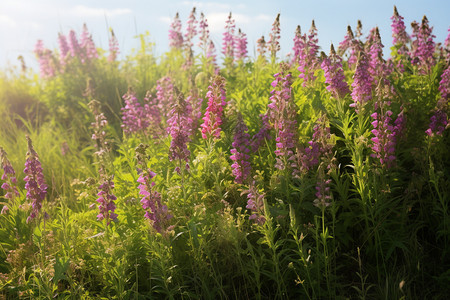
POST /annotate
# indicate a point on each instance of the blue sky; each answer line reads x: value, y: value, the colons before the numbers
x: 22, y: 22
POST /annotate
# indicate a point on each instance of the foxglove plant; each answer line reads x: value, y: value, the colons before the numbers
x: 378, y: 68
x: 362, y: 83
x: 165, y: 94
x: 261, y: 46
x: 191, y: 30
x: 400, y: 37
x: 274, y: 38
x: 307, y: 58
x: 133, y: 115
x: 63, y: 49
x: 179, y: 128
x: 439, y: 121
x: 46, y: 60
x: 214, y: 112
x: 282, y: 114
x: 385, y: 134
x: 195, y: 103
x: 255, y: 203
x: 350, y: 42
x: 423, y: 46
x: 9, y: 177
x: 175, y: 35
x: 334, y: 74
x: 35, y: 181
x: 74, y: 46
x: 240, y: 152
x: 87, y: 44
x: 240, y: 51
x: 113, y: 47
x: 155, y: 211
x: 205, y: 42
x: 298, y: 45
x: 263, y: 134
x: 228, y: 39
x: 152, y: 115
x: 106, y: 197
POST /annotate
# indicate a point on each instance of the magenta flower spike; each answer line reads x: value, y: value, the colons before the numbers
x: 263, y: 134
x: 334, y: 74
x: 165, y: 94
x: 439, y: 120
x: 113, y: 47
x: 228, y: 38
x: 255, y: 204
x: 423, y: 46
x: 378, y: 68
x: 307, y: 58
x: 362, y: 82
x: 191, y: 30
x: 152, y: 115
x: 9, y: 177
x: 282, y: 114
x: 399, y: 35
x: 46, y: 60
x: 179, y: 128
x: 35, y: 182
x: 133, y: 115
x: 240, y: 52
x: 240, y: 152
x: 273, y: 45
x: 74, y: 46
x: 106, y: 200
x: 175, y: 35
x: 63, y: 49
x: 214, y: 112
x: 87, y: 44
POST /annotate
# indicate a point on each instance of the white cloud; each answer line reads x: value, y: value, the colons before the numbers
x: 166, y: 20
x: 7, y: 21
x: 85, y: 11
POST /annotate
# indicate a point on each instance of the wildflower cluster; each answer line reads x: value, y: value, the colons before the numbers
x: 228, y: 38
x: 334, y: 74
x: 274, y: 38
x: 175, y: 35
x: 400, y: 37
x: 423, y: 46
x: 35, y: 182
x: 155, y: 211
x: 439, y: 120
x: 307, y: 55
x: 362, y: 83
x: 240, y: 152
x: 214, y: 112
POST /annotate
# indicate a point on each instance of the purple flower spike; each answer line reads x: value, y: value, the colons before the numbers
x: 240, y: 52
x: 106, y: 201
x: 228, y: 38
x: 9, y: 177
x: 274, y: 38
x: 334, y: 74
x: 423, y: 46
x: 113, y: 47
x: 175, y: 35
x: 399, y: 36
x: 214, y: 112
x: 240, y: 152
x: 133, y: 115
x: 362, y: 83
x: 307, y: 56
x: 35, y: 182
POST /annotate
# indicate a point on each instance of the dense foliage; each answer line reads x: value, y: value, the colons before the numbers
x: 310, y: 176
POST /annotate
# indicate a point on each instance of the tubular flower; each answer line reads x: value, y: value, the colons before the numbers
x: 106, y: 200
x: 46, y: 60
x: 179, y: 127
x: 9, y: 177
x: 240, y: 52
x: 423, y: 46
x: 439, y: 121
x: 362, y: 83
x: 308, y: 56
x: 214, y: 112
x: 175, y: 35
x: 240, y: 152
x: 74, y: 46
x: 35, y: 182
x: 262, y: 135
x: 261, y: 46
x: 351, y: 43
x: 113, y: 47
x: 155, y: 211
x: 399, y: 36
x: 63, y: 49
x: 274, y: 38
x: 386, y: 135
x: 87, y: 44
x: 255, y: 203
x: 378, y: 68
x: 205, y: 43
x: 191, y: 30
x: 298, y: 45
x: 165, y: 94
x: 133, y: 118
x: 228, y: 38
x: 282, y: 114
x: 152, y: 115
x: 334, y: 74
